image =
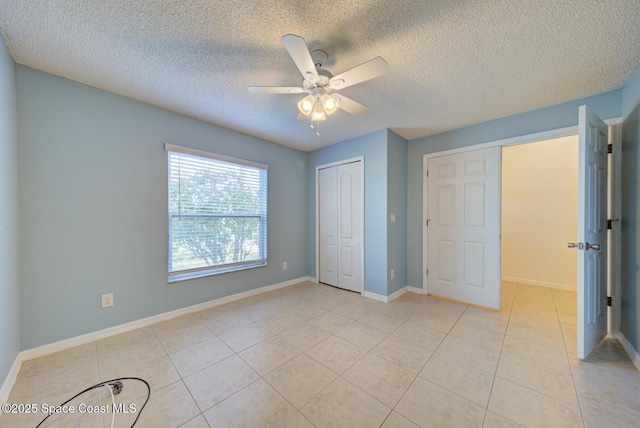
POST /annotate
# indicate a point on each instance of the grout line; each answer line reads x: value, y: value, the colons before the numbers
x: 573, y: 381
x: 504, y: 337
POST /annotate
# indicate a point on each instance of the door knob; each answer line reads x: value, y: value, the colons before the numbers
x: 592, y: 246
x: 583, y: 246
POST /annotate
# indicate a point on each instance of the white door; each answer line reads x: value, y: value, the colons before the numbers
x: 463, y: 227
x: 341, y: 205
x: 328, y: 225
x: 592, y: 231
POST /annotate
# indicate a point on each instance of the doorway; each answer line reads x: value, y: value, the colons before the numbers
x: 539, y: 207
x: 539, y: 212
x: 591, y: 239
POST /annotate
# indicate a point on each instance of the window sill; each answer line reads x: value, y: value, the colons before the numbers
x: 179, y: 277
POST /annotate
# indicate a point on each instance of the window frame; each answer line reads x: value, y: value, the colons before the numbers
x: 187, y: 274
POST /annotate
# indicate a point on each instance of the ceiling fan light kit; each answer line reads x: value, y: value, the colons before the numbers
x: 318, y: 83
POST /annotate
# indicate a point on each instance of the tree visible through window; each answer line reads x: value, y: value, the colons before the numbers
x: 217, y: 213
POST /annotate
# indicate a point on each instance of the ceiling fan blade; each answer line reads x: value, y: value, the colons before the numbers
x: 348, y: 105
x: 301, y: 117
x: 299, y: 52
x: 276, y: 90
x: 369, y: 70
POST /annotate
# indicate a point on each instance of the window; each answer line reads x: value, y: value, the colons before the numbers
x: 217, y: 213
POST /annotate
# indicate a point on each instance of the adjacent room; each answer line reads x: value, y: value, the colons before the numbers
x: 539, y: 217
x: 362, y: 214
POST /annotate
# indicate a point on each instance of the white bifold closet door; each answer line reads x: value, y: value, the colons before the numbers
x: 340, y: 212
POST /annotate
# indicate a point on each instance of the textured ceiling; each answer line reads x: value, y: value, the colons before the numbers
x: 451, y: 63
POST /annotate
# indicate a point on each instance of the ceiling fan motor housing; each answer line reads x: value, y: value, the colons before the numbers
x: 323, y: 80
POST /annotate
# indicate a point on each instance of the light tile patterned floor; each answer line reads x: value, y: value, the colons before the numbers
x: 313, y: 355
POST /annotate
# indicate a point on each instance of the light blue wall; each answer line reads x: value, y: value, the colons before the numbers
x: 93, y: 208
x: 374, y: 149
x: 630, y: 295
x: 605, y: 105
x: 397, y: 204
x: 630, y: 93
x: 9, y: 283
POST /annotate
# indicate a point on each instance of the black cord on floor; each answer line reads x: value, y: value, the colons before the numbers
x: 100, y: 385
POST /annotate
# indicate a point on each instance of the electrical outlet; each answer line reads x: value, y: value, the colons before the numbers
x: 393, y: 274
x: 107, y: 300
x: 284, y: 266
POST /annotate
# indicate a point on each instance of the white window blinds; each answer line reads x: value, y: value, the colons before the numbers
x: 217, y: 213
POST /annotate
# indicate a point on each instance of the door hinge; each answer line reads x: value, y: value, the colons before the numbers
x: 609, y: 224
x: 426, y: 222
x: 426, y: 173
x: 608, y: 300
x: 427, y: 272
x: 610, y: 148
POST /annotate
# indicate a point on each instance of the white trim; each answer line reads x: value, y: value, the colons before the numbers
x: 630, y: 350
x: 521, y: 139
x: 539, y: 283
x: 416, y: 290
x: 375, y: 296
x: 194, y: 152
x: 362, y: 171
x: 144, y: 322
x: 181, y: 276
x: 615, y: 234
x: 385, y: 299
x: 395, y: 295
x: 340, y: 162
x: 425, y: 229
x: 10, y: 380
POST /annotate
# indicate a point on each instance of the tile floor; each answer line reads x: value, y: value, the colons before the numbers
x: 312, y: 355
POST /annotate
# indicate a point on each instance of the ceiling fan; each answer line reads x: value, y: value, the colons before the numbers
x: 320, y: 85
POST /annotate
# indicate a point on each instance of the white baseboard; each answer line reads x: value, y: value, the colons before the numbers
x: 540, y: 283
x: 144, y: 322
x: 395, y: 295
x: 10, y: 380
x: 375, y: 296
x: 630, y: 350
x: 417, y: 290
x: 385, y: 299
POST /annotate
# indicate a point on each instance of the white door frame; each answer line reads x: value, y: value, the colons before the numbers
x: 615, y: 235
x: 360, y: 160
x: 523, y: 139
